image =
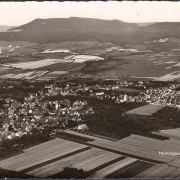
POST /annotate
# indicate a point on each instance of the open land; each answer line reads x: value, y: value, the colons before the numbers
x: 102, y: 157
x: 35, y: 64
x: 147, y: 110
x: 143, y: 65
x: 51, y: 159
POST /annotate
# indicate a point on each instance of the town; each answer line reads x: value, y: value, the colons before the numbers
x: 89, y: 90
x: 43, y: 113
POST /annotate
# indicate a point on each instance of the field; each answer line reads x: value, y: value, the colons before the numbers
x: 128, y: 90
x: 170, y: 133
x: 86, y: 160
x: 114, y: 167
x: 134, y: 156
x: 66, y: 66
x: 26, y: 75
x: 87, y: 47
x: 146, y: 110
x: 152, y: 66
x: 84, y: 58
x: 50, y: 159
x: 39, y: 154
x: 56, y: 51
x: 169, y: 112
x: 8, y: 47
x: 44, y: 70
x: 4, y: 70
x: 35, y: 64
x: 169, y: 77
x: 138, y: 147
x: 160, y: 171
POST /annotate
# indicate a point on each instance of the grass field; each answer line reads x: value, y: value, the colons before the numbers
x: 39, y: 154
x: 84, y: 58
x: 146, y: 110
x: 169, y: 77
x: 114, y: 167
x: 86, y: 160
x: 128, y: 90
x: 172, y: 134
x: 24, y: 75
x: 140, y: 149
x: 16, y: 46
x: 144, y: 65
x: 61, y: 66
x: 160, y: 171
x: 32, y: 64
x: 4, y: 70
x: 130, y: 170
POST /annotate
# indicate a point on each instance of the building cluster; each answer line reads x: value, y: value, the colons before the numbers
x: 100, y: 91
x: 37, y: 114
x: 41, y: 112
x: 164, y: 96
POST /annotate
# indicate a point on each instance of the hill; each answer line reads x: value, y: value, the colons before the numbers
x: 4, y: 28
x: 157, y: 31
x: 73, y: 29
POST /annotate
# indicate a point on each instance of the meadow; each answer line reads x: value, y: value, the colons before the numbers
x: 149, y: 66
x: 61, y: 66
x: 146, y: 110
x: 33, y: 64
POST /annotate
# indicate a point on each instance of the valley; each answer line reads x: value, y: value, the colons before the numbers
x: 89, y: 98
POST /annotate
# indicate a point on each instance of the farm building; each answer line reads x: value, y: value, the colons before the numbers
x: 82, y: 127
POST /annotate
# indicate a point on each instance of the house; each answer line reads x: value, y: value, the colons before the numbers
x: 99, y: 93
x: 77, y: 103
x: 16, y: 104
x: 47, y: 86
x: 82, y: 127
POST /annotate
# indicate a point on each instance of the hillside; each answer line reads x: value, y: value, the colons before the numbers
x: 157, y: 31
x: 87, y: 29
x: 71, y: 29
x: 4, y: 28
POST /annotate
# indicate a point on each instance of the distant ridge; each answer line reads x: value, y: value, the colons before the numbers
x: 90, y: 29
x: 4, y: 28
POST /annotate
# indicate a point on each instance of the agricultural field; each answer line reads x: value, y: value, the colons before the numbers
x: 35, y: 64
x: 114, y: 167
x: 50, y: 159
x: 84, y: 58
x: 56, y: 51
x: 40, y: 154
x: 77, y: 46
x: 24, y: 75
x: 169, y: 77
x: 169, y: 112
x: 4, y: 70
x: 86, y: 161
x: 148, y: 65
x: 160, y: 171
x: 62, y: 66
x: 138, y: 147
x: 146, y: 110
x: 8, y: 47
x: 170, y: 133
x: 58, y: 72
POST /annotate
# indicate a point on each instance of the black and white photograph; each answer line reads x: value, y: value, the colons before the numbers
x: 89, y: 90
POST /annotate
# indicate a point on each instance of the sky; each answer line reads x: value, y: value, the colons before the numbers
x: 18, y: 13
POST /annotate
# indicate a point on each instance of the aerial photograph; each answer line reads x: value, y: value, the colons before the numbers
x: 89, y: 89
